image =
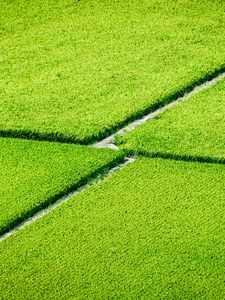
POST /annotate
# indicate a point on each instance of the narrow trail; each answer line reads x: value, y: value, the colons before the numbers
x: 109, y: 141
x: 106, y: 139
x: 51, y: 207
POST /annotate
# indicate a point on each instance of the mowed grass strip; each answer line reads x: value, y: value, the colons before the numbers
x: 35, y: 174
x: 191, y: 130
x: 77, y: 70
x: 153, y: 230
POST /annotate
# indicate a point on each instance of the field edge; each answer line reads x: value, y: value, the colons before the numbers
x: 100, y: 172
x: 61, y: 138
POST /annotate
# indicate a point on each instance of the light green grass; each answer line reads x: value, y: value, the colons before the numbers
x: 191, y: 130
x: 34, y: 174
x: 154, y: 230
x: 76, y: 70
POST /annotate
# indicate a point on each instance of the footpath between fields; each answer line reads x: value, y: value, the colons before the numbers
x: 130, y: 156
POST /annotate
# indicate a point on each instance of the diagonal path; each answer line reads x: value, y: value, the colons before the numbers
x: 155, y: 228
x: 51, y: 207
x: 109, y: 141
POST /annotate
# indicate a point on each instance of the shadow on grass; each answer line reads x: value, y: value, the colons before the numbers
x: 187, y: 158
x: 59, y: 137
x: 97, y: 174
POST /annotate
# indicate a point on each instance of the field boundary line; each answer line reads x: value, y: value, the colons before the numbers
x: 165, y: 102
x: 64, y: 191
x: 176, y: 157
x: 41, y: 213
x: 109, y: 142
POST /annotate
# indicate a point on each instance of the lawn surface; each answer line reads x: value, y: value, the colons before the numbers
x: 74, y: 70
x: 154, y: 230
x: 34, y: 174
x: 193, y: 129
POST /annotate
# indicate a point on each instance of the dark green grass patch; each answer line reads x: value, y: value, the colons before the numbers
x: 154, y: 230
x: 74, y: 71
x: 191, y: 130
x: 35, y: 174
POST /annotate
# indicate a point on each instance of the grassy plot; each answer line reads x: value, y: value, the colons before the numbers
x: 158, y: 235
x: 34, y: 174
x: 192, y: 129
x: 74, y: 70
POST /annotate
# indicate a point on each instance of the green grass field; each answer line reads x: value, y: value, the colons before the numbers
x: 158, y: 235
x: 75, y: 70
x: 35, y: 174
x: 193, y: 129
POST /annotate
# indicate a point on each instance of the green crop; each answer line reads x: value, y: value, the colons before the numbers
x: 191, y: 130
x: 154, y: 230
x: 77, y: 70
x: 35, y: 174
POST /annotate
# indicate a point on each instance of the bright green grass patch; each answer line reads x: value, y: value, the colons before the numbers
x: 34, y: 174
x: 154, y: 230
x: 76, y: 70
x: 193, y: 129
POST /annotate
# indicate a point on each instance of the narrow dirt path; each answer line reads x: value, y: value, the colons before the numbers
x: 42, y: 213
x: 109, y: 141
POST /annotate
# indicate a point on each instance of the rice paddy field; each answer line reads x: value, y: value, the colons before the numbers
x: 76, y: 70
x: 34, y: 174
x: 193, y: 129
x: 145, y: 218
x: 158, y: 234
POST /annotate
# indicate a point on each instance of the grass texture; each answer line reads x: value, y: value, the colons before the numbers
x: 191, y: 130
x: 35, y: 174
x: 153, y: 230
x: 74, y: 71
